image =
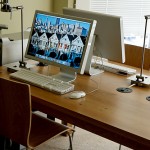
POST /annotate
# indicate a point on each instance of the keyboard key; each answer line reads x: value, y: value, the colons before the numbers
x: 43, y: 81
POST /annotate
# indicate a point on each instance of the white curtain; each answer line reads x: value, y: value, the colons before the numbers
x: 132, y: 11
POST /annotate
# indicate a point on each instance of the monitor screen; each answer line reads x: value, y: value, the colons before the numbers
x: 60, y: 40
x: 109, y: 41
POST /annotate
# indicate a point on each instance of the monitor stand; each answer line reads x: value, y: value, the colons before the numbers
x: 89, y: 69
x: 65, y: 75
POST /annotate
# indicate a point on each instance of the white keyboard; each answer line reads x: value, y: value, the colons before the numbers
x: 43, y: 81
x: 114, y: 68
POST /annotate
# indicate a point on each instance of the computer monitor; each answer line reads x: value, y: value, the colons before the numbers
x: 109, y: 41
x: 61, y: 40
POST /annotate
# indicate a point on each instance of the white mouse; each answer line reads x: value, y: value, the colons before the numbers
x: 77, y: 94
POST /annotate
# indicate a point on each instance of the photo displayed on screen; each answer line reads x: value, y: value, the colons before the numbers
x: 57, y: 39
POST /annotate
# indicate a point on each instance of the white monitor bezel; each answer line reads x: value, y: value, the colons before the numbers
x: 86, y: 48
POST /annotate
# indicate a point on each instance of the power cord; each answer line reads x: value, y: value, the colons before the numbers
x: 97, y: 86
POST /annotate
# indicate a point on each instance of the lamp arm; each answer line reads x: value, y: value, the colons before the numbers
x: 143, y: 51
x: 22, y: 63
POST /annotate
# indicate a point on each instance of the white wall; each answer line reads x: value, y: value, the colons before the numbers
x: 59, y: 4
x: 83, y: 4
x: 28, y: 13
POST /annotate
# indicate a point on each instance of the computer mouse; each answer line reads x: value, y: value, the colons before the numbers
x: 77, y: 94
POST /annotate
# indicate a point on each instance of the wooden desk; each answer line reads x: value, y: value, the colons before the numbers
x: 123, y: 118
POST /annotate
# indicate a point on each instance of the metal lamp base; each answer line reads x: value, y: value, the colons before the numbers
x: 138, y: 80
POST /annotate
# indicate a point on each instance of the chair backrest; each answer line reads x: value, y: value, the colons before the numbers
x: 15, y: 111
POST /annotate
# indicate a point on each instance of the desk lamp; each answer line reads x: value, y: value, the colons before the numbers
x: 5, y: 7
x: 142, y: 80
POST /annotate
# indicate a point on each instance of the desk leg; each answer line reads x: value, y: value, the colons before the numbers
x: 2, y: 143
x: 5, y: 144
x: 15, y: 146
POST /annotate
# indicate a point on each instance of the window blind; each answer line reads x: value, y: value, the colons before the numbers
x: 132, y: 11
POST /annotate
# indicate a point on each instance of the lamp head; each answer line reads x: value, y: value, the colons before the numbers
x: 147, y: 17
x: 5, y: 7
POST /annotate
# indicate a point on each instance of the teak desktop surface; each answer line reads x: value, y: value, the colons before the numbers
x: 123, y: 118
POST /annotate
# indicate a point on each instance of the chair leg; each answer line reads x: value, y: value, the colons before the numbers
x: 15, y: 146
x: 6, y: 144
x: 73, y: 132
x: 71, y: 138
x: 2, y: 142
x: 120, y: 147
x: 70, y: 141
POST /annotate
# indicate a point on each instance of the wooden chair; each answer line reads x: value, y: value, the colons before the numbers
x: 19, y: 123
